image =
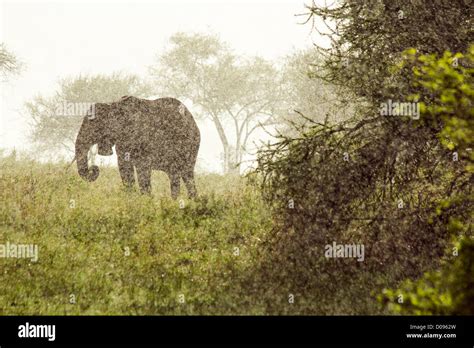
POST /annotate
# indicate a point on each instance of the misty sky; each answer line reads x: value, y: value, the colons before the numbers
x: 65, y: 39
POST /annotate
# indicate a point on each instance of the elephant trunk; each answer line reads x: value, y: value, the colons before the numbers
x: 83, y: 146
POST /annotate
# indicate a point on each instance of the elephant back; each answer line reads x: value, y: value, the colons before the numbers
x: 176, y: 134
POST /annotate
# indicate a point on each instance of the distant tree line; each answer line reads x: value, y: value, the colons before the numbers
x: 238, y: 94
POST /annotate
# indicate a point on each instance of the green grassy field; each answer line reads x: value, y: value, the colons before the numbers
x: 103, y: 250
x: 106, y: 251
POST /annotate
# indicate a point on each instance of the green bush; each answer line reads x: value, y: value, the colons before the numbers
x: 449, y: 291
x: 388, y: 182
x: 449, y: 86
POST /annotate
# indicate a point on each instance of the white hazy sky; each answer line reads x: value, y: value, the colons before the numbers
x: 56, y: 39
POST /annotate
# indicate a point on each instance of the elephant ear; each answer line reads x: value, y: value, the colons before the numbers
x: 103, y: 114
x: 97, y: 110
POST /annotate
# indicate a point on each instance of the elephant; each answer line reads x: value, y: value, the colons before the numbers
x: 158, y: 134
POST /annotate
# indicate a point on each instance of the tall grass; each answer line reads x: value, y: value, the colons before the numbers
x: 103, y: 250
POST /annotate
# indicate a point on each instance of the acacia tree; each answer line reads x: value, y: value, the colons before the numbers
x: 386, y: 182
x: 237, y: 94
x: 368, y: 39
x: 54, y: 129
x: 308, y: 98
x: 9, y: 63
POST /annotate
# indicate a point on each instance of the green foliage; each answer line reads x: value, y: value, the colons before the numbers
x: 386, y: 182
x: 122, y: 252
x: 448, y: 82
x: 449, y: 291
x: 368, y: 38
x: 449, y: 87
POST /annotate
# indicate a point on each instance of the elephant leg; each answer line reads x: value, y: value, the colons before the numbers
x: 126, y: 169
x: 144, y: 178
x: 188, y: 179
x: 175, y: 184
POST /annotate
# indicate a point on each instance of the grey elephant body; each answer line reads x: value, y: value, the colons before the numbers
x: 148, y: 135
